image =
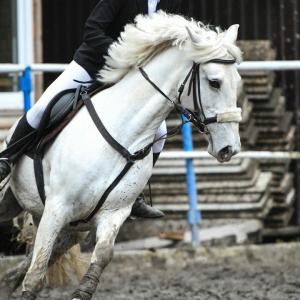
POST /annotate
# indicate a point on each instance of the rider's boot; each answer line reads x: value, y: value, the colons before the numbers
x: 141, y: 209
x: 22, y: 135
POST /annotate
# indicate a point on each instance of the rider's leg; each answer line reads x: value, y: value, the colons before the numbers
x: 63, y: 82
x: 31, y: 120
x: 22, y: 135
x: 140, y: 208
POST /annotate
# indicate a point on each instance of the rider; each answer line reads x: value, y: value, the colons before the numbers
x: 102, y: 28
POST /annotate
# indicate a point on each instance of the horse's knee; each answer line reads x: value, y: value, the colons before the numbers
x: 103, y: 254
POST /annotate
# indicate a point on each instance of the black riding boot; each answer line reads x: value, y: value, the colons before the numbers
x: 141, y: 209
x: 18, y: 143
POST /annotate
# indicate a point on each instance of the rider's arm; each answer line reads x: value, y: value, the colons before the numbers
x: 95, y: 39
x: 99, y: 20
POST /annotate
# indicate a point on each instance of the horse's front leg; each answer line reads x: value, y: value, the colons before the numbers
x: 13, y: 278
x: 107, y: 230
x: 53, y: 220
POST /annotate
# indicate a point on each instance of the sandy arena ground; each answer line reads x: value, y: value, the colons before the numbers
x: 267, y: 272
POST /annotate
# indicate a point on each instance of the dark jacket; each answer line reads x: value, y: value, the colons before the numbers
x: 105, y: 24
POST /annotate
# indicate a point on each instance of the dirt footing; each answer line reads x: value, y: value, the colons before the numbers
x: 256, y: 272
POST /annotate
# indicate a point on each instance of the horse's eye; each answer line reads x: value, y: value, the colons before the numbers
x: 214, y: 83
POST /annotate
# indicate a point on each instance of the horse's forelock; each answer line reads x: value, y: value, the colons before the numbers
x: 141, y: 41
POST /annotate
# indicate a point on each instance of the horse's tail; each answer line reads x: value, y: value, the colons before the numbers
x: 68, y: 269
x: 27, y: 230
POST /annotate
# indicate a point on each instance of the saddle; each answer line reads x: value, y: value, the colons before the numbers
x: 60, y: 111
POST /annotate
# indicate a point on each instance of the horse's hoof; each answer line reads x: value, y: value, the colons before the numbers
x: 28, y: 295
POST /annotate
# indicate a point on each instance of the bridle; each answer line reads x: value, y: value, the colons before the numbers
x: 232, y: 114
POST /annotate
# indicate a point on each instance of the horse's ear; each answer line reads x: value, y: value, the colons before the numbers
x: 194, y: 37
x: 231, y: 33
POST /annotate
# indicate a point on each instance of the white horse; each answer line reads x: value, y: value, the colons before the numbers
x: 80, y: 164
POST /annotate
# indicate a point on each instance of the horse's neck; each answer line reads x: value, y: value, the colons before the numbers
x: 136, y: 105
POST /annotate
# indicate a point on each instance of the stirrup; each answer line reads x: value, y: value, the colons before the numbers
x: 4, y: 182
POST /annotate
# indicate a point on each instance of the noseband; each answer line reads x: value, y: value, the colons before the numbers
x: 232, y: 114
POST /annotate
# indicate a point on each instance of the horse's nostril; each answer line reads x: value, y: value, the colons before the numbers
x: 226, y: 152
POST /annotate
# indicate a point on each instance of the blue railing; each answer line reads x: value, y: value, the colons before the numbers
x: 26, y: 88
x: 193, y: 214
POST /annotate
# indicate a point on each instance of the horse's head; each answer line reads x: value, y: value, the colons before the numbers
x: 212, y: 93
x: 211, y: 84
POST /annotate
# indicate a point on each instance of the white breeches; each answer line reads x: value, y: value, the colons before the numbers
x: 66, y: 81
x: 63, y: 82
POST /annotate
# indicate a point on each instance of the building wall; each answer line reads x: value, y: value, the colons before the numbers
x: 276, y: 20
x: 62, y: 36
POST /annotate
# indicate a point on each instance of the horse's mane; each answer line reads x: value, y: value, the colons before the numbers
x: 141, y: 41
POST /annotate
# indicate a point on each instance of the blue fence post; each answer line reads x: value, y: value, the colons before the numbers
x: 193, y: 215
x: 26, y: 88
